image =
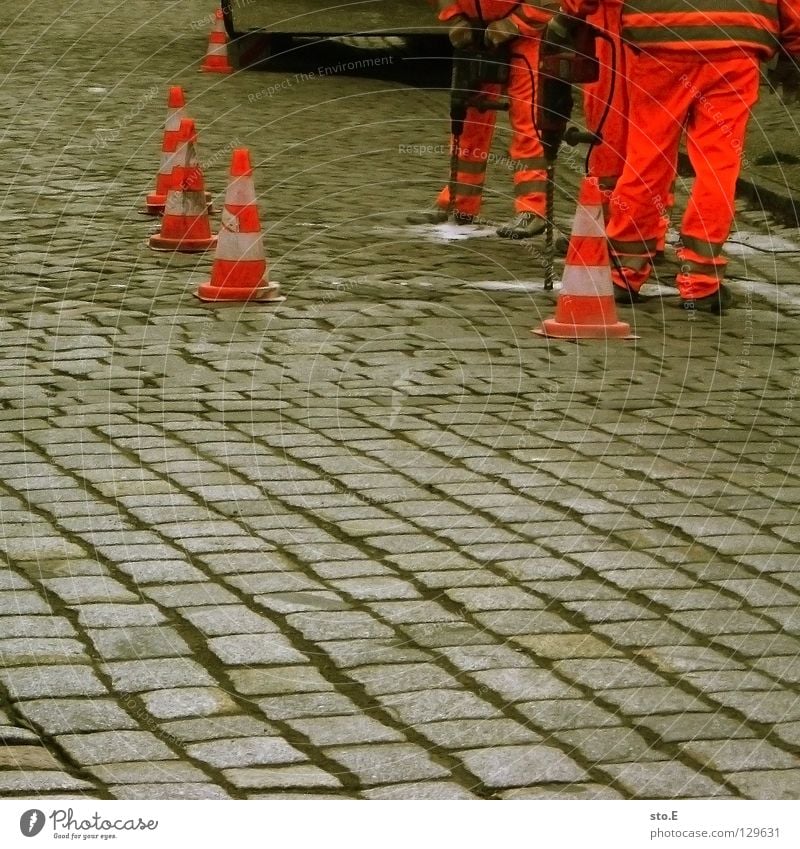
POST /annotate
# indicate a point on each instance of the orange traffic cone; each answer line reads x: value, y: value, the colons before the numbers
x: 239, y: 272
x: 176, y: 112
x: 185, y: 226
x: 216, y: 60
x: 586, y: 308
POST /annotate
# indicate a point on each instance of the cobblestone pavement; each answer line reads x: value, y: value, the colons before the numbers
x: 379, y: 541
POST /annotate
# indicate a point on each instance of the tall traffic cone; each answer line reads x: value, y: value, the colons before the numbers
x: 176, y: 112
x: 239, y: 272
x: 185, y: 226
x: 216, y: 59
x: 585, y: 307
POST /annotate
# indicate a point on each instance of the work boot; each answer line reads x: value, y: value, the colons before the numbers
x: 626, y: 297
x: 715, y: 304
x: 438, y: 215
x: 525, y: 226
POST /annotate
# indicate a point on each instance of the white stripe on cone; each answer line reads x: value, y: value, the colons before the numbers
x: 239, y: 247
x: 589, y: 281
x: 185, y: 203
x: 589, y: 222
x: 240, y: 192
x: 217, y: 49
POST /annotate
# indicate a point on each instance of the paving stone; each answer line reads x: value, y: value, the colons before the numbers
x: 248, y: 649
x: 322, y: 625
x: 767, y: 784
x: 664, y: 780
x: 188, y: 701
x: 740, y: 755
x: 22, y: 602
x: 478, y: 733
x: 387, y: 763
x: 420, y: 790
x: 27, y: 758
x: 519, y: 766
x: 432, y: 705
x: 275, y: 777
x: 340, y: 730
x: 118, y: 615
x: 245, y: 751
x: 28, y: 783
x: 228, y: 619
x: 35, y: 626
x: 767, y: 706
x: 403, y: 678
x: 140, y: 772
x: 217, y: 727
x: 519, y: 685
x: 346, y: 654
x: 279, y: 680
x: 65, y: 715
x: 22, y: 651
x: 568, y: 714
x: 307, y: 705
x: 51, y: 681
x: 132, y: 643
x: 611, y: 745
x: 114, y: 746
x: 88, y: 590
x: 167, y: 791
x: 136, y: 676
x: 695, y: 726
x: 572, y: 792
x: 557, y: 646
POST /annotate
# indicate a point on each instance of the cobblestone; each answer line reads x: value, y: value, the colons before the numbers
x: 377, y: 541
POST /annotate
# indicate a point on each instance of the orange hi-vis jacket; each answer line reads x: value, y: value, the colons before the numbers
x: 759, y: 27
x: 528, y: 16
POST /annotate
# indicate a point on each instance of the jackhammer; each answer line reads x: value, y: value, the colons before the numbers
x: 568, y: 57
x: 472, y: 69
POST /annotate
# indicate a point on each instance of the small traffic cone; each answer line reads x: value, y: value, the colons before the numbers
x: 216, y: 60
x: 585, y: 307
x: 176, y: 112
x: 185, y: 226
x: 239, y: 272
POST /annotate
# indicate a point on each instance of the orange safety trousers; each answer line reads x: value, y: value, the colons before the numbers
x: 526, y: 152
x: 709, y: 97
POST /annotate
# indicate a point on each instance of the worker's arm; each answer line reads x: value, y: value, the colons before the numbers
x: 528, y: 19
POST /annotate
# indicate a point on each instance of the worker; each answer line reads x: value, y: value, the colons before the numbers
x: 605, y: 107
x: 497, y: 23
x: 695, y: 70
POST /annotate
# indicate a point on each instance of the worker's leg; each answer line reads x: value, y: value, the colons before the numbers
x: 715, y: 135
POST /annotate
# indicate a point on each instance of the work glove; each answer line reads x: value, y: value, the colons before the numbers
x: 580, y: 8
x: 499, y: 32
x: 558, y: 32
x: 787, y: 75
x: 462, y: 34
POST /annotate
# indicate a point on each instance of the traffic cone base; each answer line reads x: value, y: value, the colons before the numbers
x: 263, y: 294
x: 585, y: 308
x: 573, y: 320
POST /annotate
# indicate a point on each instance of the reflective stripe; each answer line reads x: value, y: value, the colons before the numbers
x: 241, y: 247
x: 646, y: 246
x: 529, y: 187
x: 587, y: 280
x: 707, y: 249
x: 466, y: 166
x: 217, y: 49
x: 632, y: 262
x: 537, y: 163
x: 767, y: 8
x: 588, y: 222
x: 174, y: 120
x: 689, y: 267
x: 468, y: 190
x: 685, y: 35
